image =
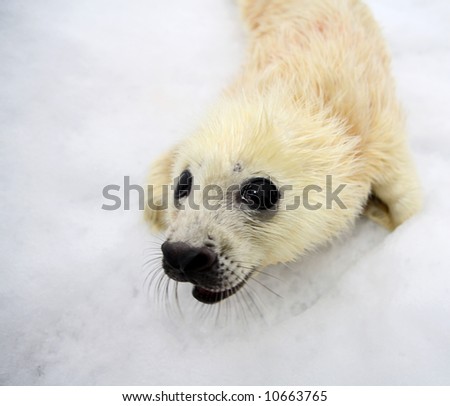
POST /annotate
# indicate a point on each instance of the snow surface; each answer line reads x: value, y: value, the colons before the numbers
x: 94, y: 90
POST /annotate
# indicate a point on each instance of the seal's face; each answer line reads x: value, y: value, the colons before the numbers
x: 234, y: 193
x: 212, y: 240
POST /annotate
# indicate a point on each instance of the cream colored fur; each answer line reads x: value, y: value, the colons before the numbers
x: 315, y: 98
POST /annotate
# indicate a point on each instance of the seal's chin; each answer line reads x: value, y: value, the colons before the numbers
x: 210, y: 297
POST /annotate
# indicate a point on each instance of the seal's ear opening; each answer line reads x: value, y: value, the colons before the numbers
x: 158, y: 190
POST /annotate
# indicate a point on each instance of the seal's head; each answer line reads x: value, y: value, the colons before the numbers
x: 251, y: 189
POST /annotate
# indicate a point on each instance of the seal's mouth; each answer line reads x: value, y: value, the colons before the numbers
x: 210, y: 297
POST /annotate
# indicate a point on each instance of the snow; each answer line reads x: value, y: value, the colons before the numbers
x: 92, y: 91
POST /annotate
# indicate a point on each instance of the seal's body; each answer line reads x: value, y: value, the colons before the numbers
x: 314, y: 110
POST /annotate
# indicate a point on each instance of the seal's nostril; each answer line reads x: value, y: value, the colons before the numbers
x: 198, y: 261
x: 187, y: 259
x: 170, y: 253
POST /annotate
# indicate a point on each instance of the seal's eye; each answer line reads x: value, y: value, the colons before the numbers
x: 259, y: 194
x: 184, y: 185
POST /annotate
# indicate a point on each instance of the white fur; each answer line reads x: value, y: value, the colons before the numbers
x: 315, y: 98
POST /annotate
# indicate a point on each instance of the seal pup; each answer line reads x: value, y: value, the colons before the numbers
x: 313, y: 113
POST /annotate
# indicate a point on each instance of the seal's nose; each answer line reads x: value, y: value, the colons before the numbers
x: 189, y: 261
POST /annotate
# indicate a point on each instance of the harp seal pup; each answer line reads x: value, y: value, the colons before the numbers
x: 314, y: 102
